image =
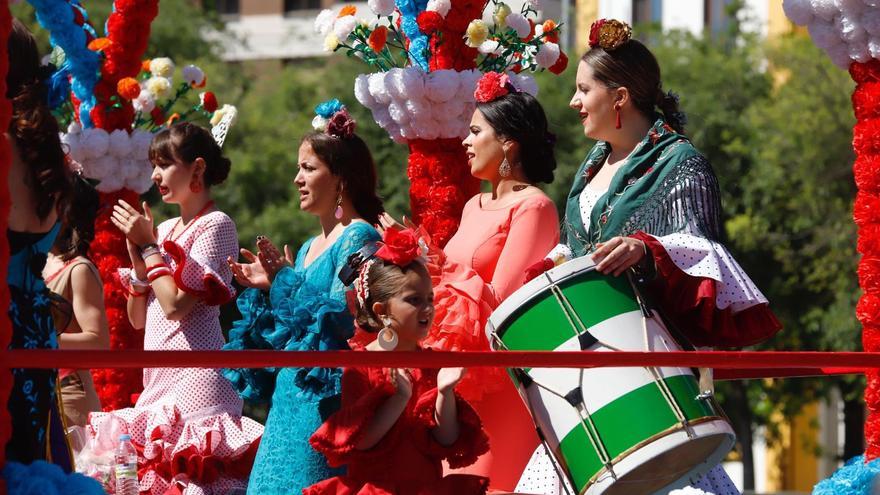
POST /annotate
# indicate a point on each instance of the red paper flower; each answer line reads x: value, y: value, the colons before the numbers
x: 158, y: 116
x: 341, y: 125
x: 594, y: 33
x: 560, y: 65
x: 128, y: 88
x: 429, y: 21
x: 378, y: 38
x: 400, y: 247
x: 550, y: 32
x: 491, y: 86
x: 209, y: 102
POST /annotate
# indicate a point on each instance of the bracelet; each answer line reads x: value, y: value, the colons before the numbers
x: 136, y: 282
x: 149, y: 250
x: 134, y: 293
x: 157, y: 271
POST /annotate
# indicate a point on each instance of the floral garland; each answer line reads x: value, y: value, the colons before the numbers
x: 847, y: 30
x: 5, y: 162
x: 65, y: 24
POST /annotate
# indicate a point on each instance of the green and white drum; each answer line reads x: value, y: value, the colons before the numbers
x: 610, y: 430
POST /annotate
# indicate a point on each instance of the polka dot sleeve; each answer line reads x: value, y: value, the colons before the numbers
x: 202, y: 269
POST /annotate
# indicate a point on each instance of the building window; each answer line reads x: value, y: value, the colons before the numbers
x: 295, y: 5
x: 226, y: 7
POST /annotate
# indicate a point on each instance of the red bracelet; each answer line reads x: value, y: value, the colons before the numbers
x: 134, y: 293
x: 158, y: 273
x: 157, y: 265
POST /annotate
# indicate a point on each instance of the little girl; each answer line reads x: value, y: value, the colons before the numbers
x: 396, y: 426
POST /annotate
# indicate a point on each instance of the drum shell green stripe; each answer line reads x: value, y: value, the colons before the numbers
x: 628, y: 421
x: 541, y: 325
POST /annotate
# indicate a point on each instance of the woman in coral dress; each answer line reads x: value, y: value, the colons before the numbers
x: 396, y: 425
x: 501, y: 234
x: 187, y: 423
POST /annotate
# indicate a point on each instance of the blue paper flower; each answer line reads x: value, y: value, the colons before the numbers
x: 854, y: 478
x: 328, y: 108
x: 418, y: 41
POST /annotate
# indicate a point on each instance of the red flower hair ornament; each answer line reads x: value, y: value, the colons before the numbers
x: 341, y: 125
x: 609, y: 34
x: 493, y: 86
x: 400, y: 246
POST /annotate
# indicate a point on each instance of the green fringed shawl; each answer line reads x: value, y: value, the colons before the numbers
x: 665, y: 186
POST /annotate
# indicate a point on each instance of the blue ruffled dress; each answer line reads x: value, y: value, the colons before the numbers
x: 304, y: 310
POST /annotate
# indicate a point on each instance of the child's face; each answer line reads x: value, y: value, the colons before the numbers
x: 412, y: 309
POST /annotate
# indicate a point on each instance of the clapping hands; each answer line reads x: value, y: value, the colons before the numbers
x: 259, y: 269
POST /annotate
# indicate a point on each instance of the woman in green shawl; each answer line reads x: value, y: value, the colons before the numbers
x: 646, y: 199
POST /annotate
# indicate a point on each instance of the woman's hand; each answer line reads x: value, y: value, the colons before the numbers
x: 448, y: 378
x: 386, y: 222
x: 250, y: 273
x: 402, y: 381
x: 618, y: 254
x: 137, y: 227
x: 137, y: 262
x: 270, y: 257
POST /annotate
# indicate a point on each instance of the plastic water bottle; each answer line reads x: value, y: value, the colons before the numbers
x: 125, y: 467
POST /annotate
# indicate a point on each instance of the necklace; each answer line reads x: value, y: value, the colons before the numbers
x: 174, y: 238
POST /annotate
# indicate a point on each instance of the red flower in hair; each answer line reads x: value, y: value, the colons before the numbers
x: 400, y: 247
x: 491, y: 86
x: 341, y: 125
x: 594, y: 32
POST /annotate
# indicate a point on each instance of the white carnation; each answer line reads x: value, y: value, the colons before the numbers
x: 441, y: 85
x: 381, y: 116
x: 394, y: 83
x: 412, y: 83
x: 851, y: 31
x: 144, y: 179
x: 418, y: 109
x: 874, y: 47
x: 221, y: 112
x: 378, y: 89
x: 362, y: 92
x: 870, y: 21
x: 344, y: 26
x: 74, y: 128
x: 144, y: 103
x: 519, y: 23
x: 120, y: 143
x: 839, y: 54
x: 440, y: 6
x: 140, y: 144
x: 860, y: 52
x: 104, y: 167
x: 159, y: 87
x: 824, y: 35
x: 162, y: 67
x: 547, y: 54
x: 94, y: 143
x: 382, y: 8
x: 825, y: 9
x: 324, y: 22
x: 851, y: 7
x: 799, y: 11
x: 398, y: 113
x: 525, y: 83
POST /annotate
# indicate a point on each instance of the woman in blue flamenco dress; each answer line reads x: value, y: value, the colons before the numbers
x: 300, y: 305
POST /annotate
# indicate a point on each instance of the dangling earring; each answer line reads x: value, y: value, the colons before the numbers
x: 387, y: 336
x: 195, y: 185
x: 617, y: 124
x: 504, y: 168
x: 338, y: 213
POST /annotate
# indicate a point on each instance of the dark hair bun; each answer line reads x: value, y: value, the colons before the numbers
x: 186, y: 141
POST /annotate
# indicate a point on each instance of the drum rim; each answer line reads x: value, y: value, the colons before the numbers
x: 658, y: 436
x: 535, y: 288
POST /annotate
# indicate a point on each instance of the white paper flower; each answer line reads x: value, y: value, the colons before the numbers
x: 870, y: 21
x: 220, y: 113
x: 412, y: 84
x: 860, y: 52
x: 378, y: 89
x: 839, y: 54
x: 825, y: 9
x: 94, y: 143
x: 362, y: 92
x: 547, y: 55
x: 193, y: 75
x: 418, y: 110
x: 120, y: 143
x: 476, y: 34
x: 535, y: 4
x: 490, y: 47
x: 144, y: 103
x: 162, y: 67
x: 159, y: 87
x: 525, y: 83
x: 344, y: 26
x: 382, y: 117
x: 874, y: 47
x: 799, y: 11
x: 441, y: 85
x: 398, y: 113
x: 382, y: 8
x: 824, y: 35
x: 324, y: 22
x: 103, y: 166
x: 144, y: 180
x: 319, y: 123
x: 140, y: 144
x: 439, y: 6
x: 519, y: 23
x: 330, y: 42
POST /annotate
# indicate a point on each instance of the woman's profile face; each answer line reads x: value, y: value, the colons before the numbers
x: 318, y: 187
x: 483, y: 148
x: 594, y: 102
x: 173, y: 179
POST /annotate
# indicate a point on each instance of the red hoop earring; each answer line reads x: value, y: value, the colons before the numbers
x: 617, y: 124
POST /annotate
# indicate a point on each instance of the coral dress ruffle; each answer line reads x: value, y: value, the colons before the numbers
x: 407, y: 460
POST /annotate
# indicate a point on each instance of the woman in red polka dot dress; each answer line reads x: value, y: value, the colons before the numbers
x: 187, y: 423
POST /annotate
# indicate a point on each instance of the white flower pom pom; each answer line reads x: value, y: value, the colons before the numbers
x: 398, y: 113
x: 319, y: 123
x: 547, y: 54
x: 418, y: 110
x: 439, y: 6
x: 394, y: 83
x: 120, y: 143
x: 851, y: 31
x: 860, y: 52
x: 524, y: 83
x: 324, y: 22
x: 159, y: 87
x: 143, y: 180
x: 140, y: 144
x: 839, y: 54
x: 378, y: 89
x: 825, y: 9
x: 161, y: 67
x: 519, y: 23
x: 870, y: 21
x: 74, y: 128
x: 362, y: 92
x: 412, y: 84
x: 490, y: 47
x: 799, y: 11
x: 824, y: 35
x: 382, y: 8
x: 851, y: 7
x: 94, y: 143
x: 535, y: 4
x: 382, y: 117
x: 468, y: 81
x: 103, y: 167
x: 441, y: 85
x: 344, y: 26
x: 144, y: 103
x: 193, y: 75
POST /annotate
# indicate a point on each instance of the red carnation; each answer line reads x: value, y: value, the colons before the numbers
x: 560, y: 65
x: 209, y: 102
x: 429, y: 21
x: 490, y: 87
x: 378, y: 38
x: 341, y: 125
x: 400, y: 247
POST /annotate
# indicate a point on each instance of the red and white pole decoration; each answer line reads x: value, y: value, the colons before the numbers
x: 5, y: 163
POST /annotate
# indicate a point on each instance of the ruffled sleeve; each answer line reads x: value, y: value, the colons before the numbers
x: 203, y: 270
x: 472, y: 441
x: 252, y: 331
x: 361, y: 398
x: 706, y: 293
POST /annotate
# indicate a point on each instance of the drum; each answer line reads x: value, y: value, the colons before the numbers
x: 609, y: 430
